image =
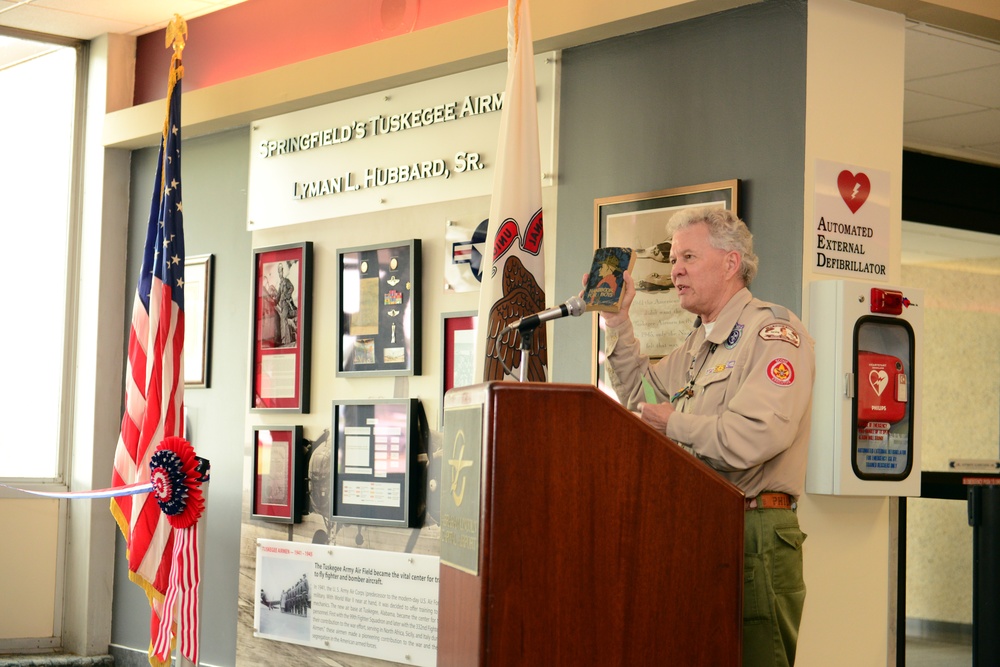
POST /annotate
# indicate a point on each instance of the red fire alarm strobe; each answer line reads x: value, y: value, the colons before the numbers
x: 887, y: 301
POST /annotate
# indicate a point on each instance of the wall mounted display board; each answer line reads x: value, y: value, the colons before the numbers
x: 282, y: 306
x: 365, y: 602
x: 379, y: 301
x: 376, y: 479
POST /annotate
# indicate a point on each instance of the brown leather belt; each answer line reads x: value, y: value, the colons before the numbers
x: 769, y: 500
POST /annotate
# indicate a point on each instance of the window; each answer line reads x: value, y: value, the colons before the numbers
x: 36, y: 204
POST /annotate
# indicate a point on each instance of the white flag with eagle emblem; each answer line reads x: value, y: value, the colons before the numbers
x: 514, y: 266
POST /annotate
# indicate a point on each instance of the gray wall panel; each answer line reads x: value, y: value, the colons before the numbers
x: 706, y: 100
x: 214, y: 181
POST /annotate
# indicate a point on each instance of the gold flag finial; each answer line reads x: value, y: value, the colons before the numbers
x: 177, y: 32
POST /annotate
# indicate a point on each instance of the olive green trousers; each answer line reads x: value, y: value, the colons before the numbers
x: 773, y: 588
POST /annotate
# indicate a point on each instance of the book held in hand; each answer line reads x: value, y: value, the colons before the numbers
x: 605, y: 283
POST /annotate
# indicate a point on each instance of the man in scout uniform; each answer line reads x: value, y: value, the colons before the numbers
x: 737, y: 394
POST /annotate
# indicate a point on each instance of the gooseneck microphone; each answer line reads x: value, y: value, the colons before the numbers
x: 574, y: 306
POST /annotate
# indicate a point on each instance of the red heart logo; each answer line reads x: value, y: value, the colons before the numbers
x: 854, y: 189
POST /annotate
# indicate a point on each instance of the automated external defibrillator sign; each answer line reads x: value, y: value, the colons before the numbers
x: 865, y: 423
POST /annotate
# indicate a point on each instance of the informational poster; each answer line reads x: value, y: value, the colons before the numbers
x: 851, y: 221
x: 378, y: 604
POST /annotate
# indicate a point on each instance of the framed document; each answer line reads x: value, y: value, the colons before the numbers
x: 282, y: 314
x: 375, y: 474
x: 277, y: 494
x: 458, y: 350
x: 639, y: 221
x: 197, y: 320
x: 379, y: 301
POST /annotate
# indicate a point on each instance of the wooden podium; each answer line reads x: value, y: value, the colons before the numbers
x: 574, y: 534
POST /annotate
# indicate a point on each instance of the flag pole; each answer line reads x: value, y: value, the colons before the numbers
x: 160, y: 527
x: 513, y: 278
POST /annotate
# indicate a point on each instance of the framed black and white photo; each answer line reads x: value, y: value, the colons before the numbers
x: 639, y: 221
x: 282, y: 315
x: 375, y: 476
x: 379, y: 302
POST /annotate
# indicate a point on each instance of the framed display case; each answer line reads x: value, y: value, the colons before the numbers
x: 282, y: 305
x: 375, y: 478
x: 379, y: 305
x: 278, y: 492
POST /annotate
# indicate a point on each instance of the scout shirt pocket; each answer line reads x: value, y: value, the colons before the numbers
x: 711, y: 386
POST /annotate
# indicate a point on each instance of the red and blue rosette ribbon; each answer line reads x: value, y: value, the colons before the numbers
x: 174, y: 472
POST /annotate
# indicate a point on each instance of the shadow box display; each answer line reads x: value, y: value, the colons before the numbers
x: 639, y: 221
x: 279, y: 487
x: 376, y: 479
x: 282, y: 305
x: 379, y: 302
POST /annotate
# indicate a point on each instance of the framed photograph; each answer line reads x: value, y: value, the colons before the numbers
x: 375, y: 478
x: 282, y: 305
x: 638, y: 221
x: 458, y: 350
x: 379, y: 301
x: 278, y: 493
x: 197, y: 320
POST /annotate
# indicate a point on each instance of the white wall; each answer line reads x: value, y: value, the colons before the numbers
x: 854, y: 103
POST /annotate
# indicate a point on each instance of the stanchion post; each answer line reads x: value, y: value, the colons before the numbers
x: 984, y: 517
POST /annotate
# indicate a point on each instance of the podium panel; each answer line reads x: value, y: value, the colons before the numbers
x: 574, y: 534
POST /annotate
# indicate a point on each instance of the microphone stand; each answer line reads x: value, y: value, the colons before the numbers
x: 527, y: 332
x: 527, y: 336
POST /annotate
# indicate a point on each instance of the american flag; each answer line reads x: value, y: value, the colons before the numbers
x: 154, y: 384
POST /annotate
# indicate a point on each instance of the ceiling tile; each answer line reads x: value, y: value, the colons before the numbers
x: 141, y: 14
x: 921, y: 106
x: 931, y: 52
x: 977, y: 86
x: 971, y: 129
x: 44, y: 20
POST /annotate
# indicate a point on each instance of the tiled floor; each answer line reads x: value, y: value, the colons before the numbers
x: 927, y: 653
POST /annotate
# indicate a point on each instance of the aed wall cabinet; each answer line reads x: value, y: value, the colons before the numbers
x: 865, y: 437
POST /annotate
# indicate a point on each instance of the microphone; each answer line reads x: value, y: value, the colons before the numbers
x: 574, y: 306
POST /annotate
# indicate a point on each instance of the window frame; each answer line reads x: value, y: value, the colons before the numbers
x: 67, y: 399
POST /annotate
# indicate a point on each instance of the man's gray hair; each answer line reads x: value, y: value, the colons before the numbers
x: 725, y: 232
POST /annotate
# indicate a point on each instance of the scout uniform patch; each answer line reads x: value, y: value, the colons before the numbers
x: 734, y: 337
x: 780, y: 332
x: 780, y: 372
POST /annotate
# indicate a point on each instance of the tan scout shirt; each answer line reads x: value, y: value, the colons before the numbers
x: 748, y: 405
